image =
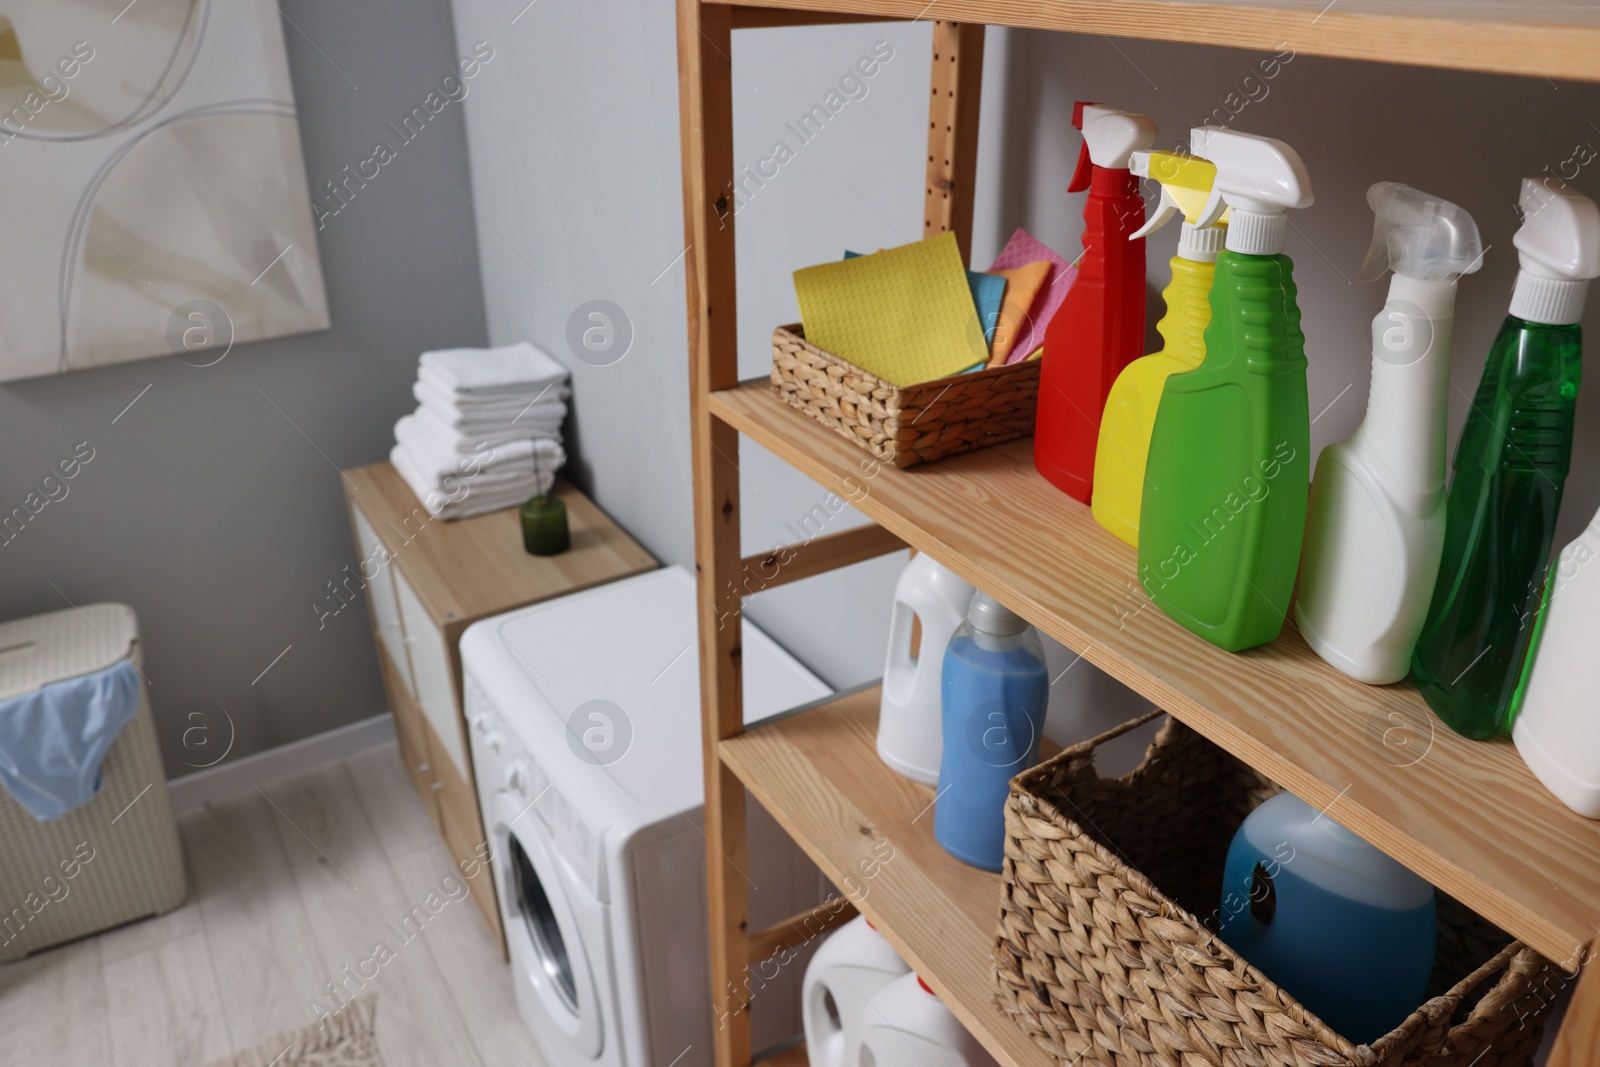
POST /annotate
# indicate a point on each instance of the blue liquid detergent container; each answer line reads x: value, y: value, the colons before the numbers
x: 1341, y: 927
x: 994, y: 690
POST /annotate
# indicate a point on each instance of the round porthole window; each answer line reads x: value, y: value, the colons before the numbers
x: 534, y: 904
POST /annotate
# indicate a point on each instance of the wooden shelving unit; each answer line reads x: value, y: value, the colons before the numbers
x: 1466, y: 815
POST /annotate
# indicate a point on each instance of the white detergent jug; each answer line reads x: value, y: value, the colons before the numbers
x: 909, y: 737
x: 850, y: 967
x: 1557, y: 730
x: 907, y: 1026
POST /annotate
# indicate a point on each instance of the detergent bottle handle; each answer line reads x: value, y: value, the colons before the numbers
x: 899, y: 673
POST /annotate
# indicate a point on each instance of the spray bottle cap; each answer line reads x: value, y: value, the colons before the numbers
x: 1419, y: 236
x: 1259, y: 178
x: 988, y: 616
x: 1185, y: 182
x: 1110, y: 136
x: 1559, y: 249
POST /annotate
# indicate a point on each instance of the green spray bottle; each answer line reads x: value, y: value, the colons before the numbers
x: 1224, y: 504
x: 1510, y: 467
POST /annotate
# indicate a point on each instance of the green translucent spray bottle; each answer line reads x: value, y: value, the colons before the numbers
x: 1510, y: 466
x: 1224, y: 505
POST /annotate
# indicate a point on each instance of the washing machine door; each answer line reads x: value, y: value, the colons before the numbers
x: 547, y: 950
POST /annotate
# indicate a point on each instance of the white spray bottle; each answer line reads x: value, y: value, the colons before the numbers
x: 1376, y: 526
x: 846, y: 972
x: 909, y: 724
x: 1557, y: 730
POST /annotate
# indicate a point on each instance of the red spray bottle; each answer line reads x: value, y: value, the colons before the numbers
x: 1099, y: 328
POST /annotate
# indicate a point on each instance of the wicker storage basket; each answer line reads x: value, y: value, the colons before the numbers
x: 905, y: 424
x: 1090, y: 950
x: 121, y: 847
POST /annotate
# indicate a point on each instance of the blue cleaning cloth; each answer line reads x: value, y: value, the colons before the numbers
x: 52, y: 740
x: 988, y: 290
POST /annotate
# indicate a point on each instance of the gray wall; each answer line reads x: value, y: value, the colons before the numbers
x: 215, y: 515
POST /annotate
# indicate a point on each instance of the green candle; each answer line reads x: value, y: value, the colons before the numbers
x: 544, y: 526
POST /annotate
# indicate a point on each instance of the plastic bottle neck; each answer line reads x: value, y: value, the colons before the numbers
x: 1551, y: 301
x: 1253, y: 233
x: 1111, y: 182
x: 1200, y: 244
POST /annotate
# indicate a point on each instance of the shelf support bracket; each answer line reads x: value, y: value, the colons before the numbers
x: 806, y: 559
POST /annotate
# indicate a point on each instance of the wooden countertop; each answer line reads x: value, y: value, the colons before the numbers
x: 469, y: 569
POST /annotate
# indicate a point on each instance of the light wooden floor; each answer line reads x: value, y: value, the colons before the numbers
x: 289, y: 883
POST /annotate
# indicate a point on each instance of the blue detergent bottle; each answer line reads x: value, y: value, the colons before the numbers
x: 994, y: 690
x: 1341, y: 927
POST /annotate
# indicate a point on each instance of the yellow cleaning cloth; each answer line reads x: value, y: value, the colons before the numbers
x: 905, y: 314
x: 1022, y: 289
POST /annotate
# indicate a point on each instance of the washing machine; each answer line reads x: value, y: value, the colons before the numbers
x: 586, y: 740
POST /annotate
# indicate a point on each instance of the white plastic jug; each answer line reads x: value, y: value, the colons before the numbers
x: 847, y: 970
x: 1557, y: 730
x: 908, y: 717
x: 907, y: 1026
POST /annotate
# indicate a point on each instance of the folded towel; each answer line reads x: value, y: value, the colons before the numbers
x: 438, y: 451
x: 476, y: 439
x: 465, y: 498
x: 537, y: 416
x: 481, y: 401
x: 518, y: 368
x: 53, y: 739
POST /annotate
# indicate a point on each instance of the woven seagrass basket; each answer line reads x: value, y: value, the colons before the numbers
x: 904, y: 425
x: 1090, y: 950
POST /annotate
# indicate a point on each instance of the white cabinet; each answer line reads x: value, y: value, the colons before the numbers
x: 381, y: 595
x: 430, y: 670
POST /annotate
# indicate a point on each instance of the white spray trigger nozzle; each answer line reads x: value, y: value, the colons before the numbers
x: 1419, y: 235
x: 1113, y: 135
x: 1560, y: 232
x: 1256, y: 176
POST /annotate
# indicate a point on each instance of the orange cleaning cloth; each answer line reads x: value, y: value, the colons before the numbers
x: 1023, y: 286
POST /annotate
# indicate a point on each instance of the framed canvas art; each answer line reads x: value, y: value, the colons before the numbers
x: 151, y: 181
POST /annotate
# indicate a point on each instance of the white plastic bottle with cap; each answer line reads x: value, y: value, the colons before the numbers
x: 1557, y: 730
x: 909, y: 738
x: 850, y: 967
x: 907, y: 1026
x: 1376, y: 527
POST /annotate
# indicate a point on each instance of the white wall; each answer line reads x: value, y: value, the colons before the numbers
x: 575, y: 163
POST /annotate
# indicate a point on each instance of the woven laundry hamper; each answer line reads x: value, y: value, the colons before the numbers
x: 115, y: 858
x: 1103, y: 941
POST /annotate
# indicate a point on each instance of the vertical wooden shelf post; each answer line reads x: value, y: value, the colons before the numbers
x: 953, y: 98
x: 705, y: 70
x: 706, y: 132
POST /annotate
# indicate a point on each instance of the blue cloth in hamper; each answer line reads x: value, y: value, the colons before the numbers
x: 53, y: 739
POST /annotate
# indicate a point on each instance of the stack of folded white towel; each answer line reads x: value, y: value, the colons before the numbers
x: 487, y: 430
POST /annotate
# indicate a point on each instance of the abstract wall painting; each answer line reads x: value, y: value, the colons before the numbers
x: 152, y: 184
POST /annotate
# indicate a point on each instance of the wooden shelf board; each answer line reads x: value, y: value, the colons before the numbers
x: 467, y: 569
x: 1539, y: 38
x: 1467, y: 815
x: 871, y: 832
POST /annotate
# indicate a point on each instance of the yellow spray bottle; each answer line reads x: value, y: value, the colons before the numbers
x: 1120, y: 453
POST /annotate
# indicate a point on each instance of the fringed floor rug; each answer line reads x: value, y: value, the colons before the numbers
x: 343, y: 1040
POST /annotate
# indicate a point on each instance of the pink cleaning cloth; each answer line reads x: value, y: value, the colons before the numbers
x: 1022, y: 249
